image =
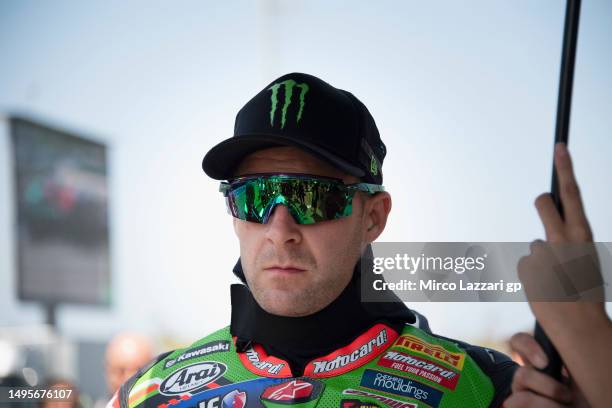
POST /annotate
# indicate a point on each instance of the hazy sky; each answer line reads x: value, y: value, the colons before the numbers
x: 464, y: 97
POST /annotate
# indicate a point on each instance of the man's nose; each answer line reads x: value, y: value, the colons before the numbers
x: 281, y: 228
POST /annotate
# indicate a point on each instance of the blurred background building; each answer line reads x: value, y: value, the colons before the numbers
x: 124, y: 98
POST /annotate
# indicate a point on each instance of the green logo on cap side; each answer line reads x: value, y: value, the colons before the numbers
x: 289, y: 84
x: 373, y: 166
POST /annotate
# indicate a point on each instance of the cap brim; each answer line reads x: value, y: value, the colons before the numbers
x: 221, y: 161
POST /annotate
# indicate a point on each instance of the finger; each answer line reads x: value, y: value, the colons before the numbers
x: 553, y: 223
x: 529, y: 349
x: 525, y: 399
x: 568, y: 189
x: 530, y: 379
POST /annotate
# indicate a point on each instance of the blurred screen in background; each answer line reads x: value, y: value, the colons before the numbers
x: 62, y: 215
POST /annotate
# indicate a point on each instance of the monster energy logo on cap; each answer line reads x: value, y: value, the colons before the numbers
x: 373, y: 166
x: 368, y: 158
x: 289, y: 84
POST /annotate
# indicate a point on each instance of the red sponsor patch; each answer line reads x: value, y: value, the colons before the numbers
x: 435, y: 351
x: 289, y: 391
x: 257, y: 361
x: 361, y: 351
x: 421, y: 367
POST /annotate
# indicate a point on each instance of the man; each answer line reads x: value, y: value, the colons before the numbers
x: 305, y: 190
x: 126, y: 353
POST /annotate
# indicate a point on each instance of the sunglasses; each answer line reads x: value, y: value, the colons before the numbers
x: 308, y: 198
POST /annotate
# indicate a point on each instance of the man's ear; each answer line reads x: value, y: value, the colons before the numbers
x: 376, y: 211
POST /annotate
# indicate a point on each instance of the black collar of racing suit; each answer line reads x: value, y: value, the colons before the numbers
x: 301, y: 339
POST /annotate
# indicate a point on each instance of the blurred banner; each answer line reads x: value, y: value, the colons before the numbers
x: 61, y: 193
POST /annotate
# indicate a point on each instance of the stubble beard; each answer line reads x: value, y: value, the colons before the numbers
x: 307, y: 292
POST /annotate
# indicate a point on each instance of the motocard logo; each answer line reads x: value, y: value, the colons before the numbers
x: 433, y: 350
x: 293, y: 392
x: 203, y: 350
x: 343, y: 360
x: 402, y: 386
x: 362, y: 350
x: 420, y: 367
x: 192, y: 377
x: 390, y: 402
x: 253, y: 357
x: 257, y: 361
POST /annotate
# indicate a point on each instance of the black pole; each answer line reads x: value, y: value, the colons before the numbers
x: 564, y: 104
x: 51, y: 314
x: 566, y: 81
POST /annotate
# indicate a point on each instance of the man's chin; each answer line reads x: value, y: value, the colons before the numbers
x: 289, y: 303
x: 289, y: 312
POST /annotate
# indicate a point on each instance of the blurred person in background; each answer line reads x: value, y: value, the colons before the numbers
x: 72, y: 400
x: 126, y: 353
x: 304, y: 172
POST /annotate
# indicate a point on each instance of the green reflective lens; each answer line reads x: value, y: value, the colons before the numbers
x: 308, y: 198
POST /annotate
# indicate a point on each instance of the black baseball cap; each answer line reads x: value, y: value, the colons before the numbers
x: 304, y: 111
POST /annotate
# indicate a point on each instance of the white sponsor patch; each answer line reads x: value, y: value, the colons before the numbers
x: 192, y: 377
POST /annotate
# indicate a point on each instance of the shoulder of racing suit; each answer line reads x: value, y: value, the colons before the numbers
x: 122, y: 396
x: 124, y: 390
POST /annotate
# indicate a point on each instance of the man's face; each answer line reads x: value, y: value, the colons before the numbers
x: 125, y: 354
x: 293, y: 269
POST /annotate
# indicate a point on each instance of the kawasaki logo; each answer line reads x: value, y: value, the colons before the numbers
x: 288, y: 84
x: 192, y: 377
x: 208, y: 348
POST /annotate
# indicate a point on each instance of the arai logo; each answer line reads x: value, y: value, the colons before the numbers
x: 192, y: 377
